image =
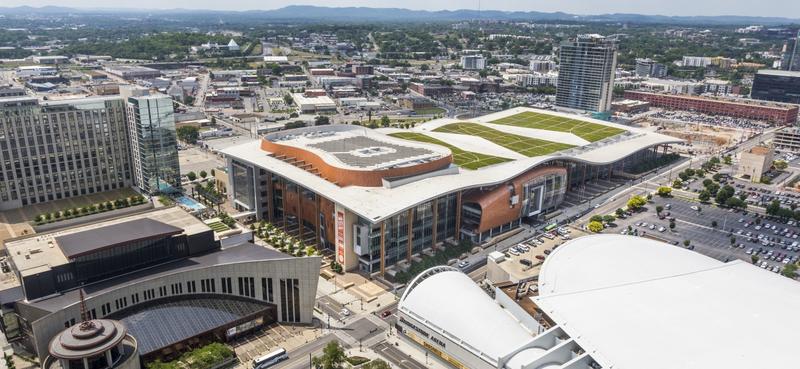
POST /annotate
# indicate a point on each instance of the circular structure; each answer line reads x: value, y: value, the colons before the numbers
x: 93, y: 344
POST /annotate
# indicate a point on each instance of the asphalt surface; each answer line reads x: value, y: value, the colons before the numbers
x: 397, y: 357
x: 299, y: 358
x: 713, y: 241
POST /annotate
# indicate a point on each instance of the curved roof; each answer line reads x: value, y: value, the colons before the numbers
x: 87, y: 338
x: 449, y: 300
x: 370, y: 202
x: 638, y: 303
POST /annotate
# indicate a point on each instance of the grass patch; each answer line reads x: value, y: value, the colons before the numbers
x: 524, y: 145
x: 429, y: 111
x: 218, y: 227
x: 462, y: 158
x: 586, y: 130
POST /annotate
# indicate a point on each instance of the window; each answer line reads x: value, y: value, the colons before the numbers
x: 227, y: 286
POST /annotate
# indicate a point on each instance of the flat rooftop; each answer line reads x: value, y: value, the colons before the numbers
x: 359, y: 148
x: 40, y: 252
x: 91, y: 240
x: 733, y: 101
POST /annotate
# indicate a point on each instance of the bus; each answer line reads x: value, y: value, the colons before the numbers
x: 270, y: 359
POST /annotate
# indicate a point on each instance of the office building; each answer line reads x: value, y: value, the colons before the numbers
x: 154, y: 144
x: 608, y: 301
x: 586, y: 73
x: 650, y: 68
x: 740, y: 108
x: 790, y: 59
x: 376, y: 199
x: 473, y: 62
x: 133, y: 72
x: 696, y: 61
x: 776, y: 85
x: 51, y: 150
x: 754, y: 163
x: 162, y: 273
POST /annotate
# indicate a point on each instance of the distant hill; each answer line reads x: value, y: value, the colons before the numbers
x: 319, y: 13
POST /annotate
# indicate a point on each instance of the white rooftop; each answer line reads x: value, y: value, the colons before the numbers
x: 371, y: 202
x: 636, y: 303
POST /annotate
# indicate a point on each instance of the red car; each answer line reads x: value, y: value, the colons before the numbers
x: 386, y: 313
x: 540, y: 257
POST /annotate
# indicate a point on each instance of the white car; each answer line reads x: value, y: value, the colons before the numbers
x: 345, y: 312
x: 661, y: 229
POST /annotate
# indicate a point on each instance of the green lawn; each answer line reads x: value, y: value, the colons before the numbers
x: 588, y: 131
x: 218, y: 227
x: 524, y: 145
x: 462, y: 158
x: 429, y: 111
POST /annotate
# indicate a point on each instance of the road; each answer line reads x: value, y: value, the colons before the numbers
x: 397, y: 357
x: 301, y: 357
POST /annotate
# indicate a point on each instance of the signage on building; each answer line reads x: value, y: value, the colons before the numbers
x: 340, y: 237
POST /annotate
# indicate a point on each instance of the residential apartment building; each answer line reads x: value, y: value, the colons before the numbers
x: 586, y: 73
x: 740, y: 108
x: 650, y: 68
x: 473, y: 62
x: 52, y: 150
x: 154, y: 144
x: 776, y: 85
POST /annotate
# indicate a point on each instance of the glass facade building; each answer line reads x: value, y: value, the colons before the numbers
x: 154, y: 144
x: 774, y: 85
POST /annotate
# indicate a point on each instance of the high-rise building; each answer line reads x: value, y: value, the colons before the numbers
x: 473, y: 62
x: 50, y: 150
x: 776, y: 85
x: 154, y: 145
x: 791, y: 54
x: 650, y: 68
x: 586, y: 73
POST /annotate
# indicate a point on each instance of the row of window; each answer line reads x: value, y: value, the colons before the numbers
x: 289, y: 289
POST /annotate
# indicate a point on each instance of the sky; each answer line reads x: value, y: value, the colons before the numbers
x: 780, y: 8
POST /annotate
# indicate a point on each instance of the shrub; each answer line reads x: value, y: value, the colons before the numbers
x: 595, y: 226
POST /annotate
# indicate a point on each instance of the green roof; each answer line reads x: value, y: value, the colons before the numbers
x: 524, y: 145
x: 462, y: 158
x: 586, y: 130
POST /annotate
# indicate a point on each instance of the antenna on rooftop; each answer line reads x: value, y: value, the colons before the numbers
x: 85, y: 324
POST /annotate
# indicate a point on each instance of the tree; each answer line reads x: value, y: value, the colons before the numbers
x: 707, y: 182
x: 203, y: 174
x: 609, y: 218
x: 191, y: 175
x: 188, y: 134
x: 385, y: 122
x: 683, y: 176
x: 595, y: 227
x: 333, y: 356
x: 677, y: 183
x: 780, y: 164
x: 704, y: 196
x: 619, y: 212
x: 716, y: 178
x: 671, y: 224
x: 773, y: 208
x: 713, y: 224
x: 322, y: 120
x: 376, y: 363
x: 659, y: 209
x: 754, y: 259
x: 288, y: 99
x: 636, y: 202
x: 213, y: 121
x: 596, y: 218
x: 686, y: 243
x: 664, y: 191
x: 735, y: 202
x: 733, y: 240
x: 728, y: 160
x: 790, y: 270
x: 213, y: 173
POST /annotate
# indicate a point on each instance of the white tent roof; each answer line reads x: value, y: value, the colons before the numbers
x: 637, y: 303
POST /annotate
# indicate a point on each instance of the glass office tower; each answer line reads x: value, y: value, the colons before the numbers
x: 154, y: 145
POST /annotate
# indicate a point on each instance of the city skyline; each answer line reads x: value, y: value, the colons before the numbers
x: 772, y: 8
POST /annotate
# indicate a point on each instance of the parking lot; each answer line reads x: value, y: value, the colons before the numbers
x: 716, y: 232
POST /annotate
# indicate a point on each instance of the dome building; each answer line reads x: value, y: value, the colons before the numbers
x: 93, y: 344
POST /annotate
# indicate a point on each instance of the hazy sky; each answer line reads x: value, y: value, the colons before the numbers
x: 783, y: 8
